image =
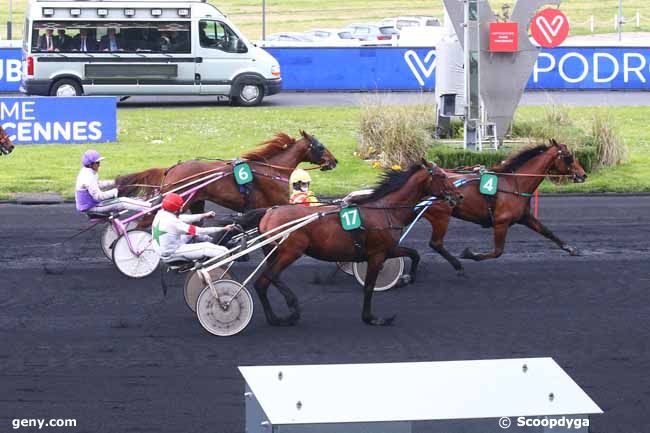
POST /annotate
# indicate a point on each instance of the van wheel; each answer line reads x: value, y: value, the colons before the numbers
x: 66, y: 87
x: 249, y: 95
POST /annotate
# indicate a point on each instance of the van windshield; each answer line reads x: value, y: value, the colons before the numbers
x: 129, y: 36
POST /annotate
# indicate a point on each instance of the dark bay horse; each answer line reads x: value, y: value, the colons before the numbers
x: 383, y: 214
x: 6, y: 146
x: 510, y: 205
x: 271, y: 164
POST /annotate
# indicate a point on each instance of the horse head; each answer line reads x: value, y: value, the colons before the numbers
x: 317, y: 153
x: 566, y: 163
x: 440, y: 184
x: 6, y: 146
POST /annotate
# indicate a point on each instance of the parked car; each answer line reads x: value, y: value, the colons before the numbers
x: 373, y: 34
x: 286, y: 39
x: 410, y: 21
x: 325, y: 36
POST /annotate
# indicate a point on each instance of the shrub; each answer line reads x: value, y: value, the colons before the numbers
x: 609, y: 145
x: 395, y: 134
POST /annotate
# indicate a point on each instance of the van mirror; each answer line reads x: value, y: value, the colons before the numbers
x: 241, y: 46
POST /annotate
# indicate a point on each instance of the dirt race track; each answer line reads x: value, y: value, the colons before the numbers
x: 119, y: 357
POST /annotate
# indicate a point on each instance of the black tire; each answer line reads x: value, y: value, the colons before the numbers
x: 66, y: 84
x: 248, y: 95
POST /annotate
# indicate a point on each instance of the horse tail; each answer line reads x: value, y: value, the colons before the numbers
x: 251, y: 219
x: 141, y: 183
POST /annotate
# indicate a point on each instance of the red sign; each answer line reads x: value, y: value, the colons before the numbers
x: 549, y: 27
x: 504, y: 37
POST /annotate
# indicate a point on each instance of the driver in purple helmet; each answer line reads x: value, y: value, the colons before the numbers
x: 93, y: 195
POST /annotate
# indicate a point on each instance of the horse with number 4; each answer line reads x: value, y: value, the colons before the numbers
x: 500, y: 197
x: 260, y: 178
x: 6, y: 146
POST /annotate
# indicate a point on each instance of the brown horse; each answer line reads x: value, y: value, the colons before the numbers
x: 384, y: 214
x: 271, y: 164
x: 510, y: 205
x: 6, y: 146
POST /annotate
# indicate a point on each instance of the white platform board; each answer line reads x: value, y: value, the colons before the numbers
x: 418, y: 391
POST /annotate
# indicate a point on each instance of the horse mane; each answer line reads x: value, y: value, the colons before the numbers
x: 270, y: 148
x: 391, y: 181
x: 514, y: 162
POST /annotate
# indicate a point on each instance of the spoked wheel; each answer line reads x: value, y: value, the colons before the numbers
x: 227, y: 315
x: 194, y: 285
x: 389, y: 274
x: 345, y: 267
x: 109, y: 236
x: 142, y: 261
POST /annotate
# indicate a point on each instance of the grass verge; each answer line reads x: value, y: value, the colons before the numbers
x: 161, y: 137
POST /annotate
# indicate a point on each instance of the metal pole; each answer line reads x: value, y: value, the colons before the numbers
x: 9, y: 21
x: 620, y: 18
x: 263, y: 19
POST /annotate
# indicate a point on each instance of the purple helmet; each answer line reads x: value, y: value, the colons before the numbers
x: 90, y: 157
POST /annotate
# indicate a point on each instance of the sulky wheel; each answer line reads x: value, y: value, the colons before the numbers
x: 345, y: 267
x: 227, y: 315
x: 139, y: 261
x: 109, y: 236
x: 389, y: 274
x: 194, y: 285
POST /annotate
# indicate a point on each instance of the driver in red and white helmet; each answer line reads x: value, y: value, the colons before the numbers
x: 173, y: 231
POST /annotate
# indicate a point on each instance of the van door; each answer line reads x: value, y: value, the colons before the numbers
x: 223, y: 55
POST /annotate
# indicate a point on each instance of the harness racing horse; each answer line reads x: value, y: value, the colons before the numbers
x: 6, y: 146
x: 518, y: 178
x: 271, y: 165
x: 384, y: 213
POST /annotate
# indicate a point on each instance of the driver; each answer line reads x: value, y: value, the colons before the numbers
x: 172, y: 233
x: 300, y: 193
x: 91, y: 194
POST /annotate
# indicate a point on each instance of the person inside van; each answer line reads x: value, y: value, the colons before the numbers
x: 83, y: 42
x: 62, y: 41
x: 110, y: 42
x: 203, y: 37
x: 46, y: 41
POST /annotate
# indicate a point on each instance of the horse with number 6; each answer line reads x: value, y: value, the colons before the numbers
x: 383, y: 214
x: 504, y: 200
x: 6, y: 146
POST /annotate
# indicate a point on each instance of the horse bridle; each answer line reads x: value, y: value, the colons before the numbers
x: 317, y: 148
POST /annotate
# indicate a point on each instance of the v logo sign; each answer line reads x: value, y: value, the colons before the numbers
x: 421, y: 70
x: 550, y: 30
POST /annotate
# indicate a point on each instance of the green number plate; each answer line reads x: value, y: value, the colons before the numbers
x: 350, y: 218
x: 243, y: 174
x: 489, y: 183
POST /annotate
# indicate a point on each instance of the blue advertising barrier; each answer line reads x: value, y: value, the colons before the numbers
x: 397, y: 68
x: 10, y: 69
x: 59, y: 120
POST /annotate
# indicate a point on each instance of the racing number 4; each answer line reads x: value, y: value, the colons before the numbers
x: 489, y: 184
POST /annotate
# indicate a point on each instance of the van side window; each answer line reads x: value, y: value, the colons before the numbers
x: 114, y: 36
x: 217, y: 35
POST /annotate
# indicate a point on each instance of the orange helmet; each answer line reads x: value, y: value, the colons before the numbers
x: 173, y: 202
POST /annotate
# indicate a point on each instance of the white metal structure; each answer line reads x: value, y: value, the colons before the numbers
x: 453, y: 395
x: 129, y: 48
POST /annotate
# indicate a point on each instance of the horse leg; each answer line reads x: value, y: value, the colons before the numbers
x: 415, y: 261
x: 374, y: 263
x: 271, y: 275
x: 536, y: 225
x: 500, y: 232
x: 439, y: 227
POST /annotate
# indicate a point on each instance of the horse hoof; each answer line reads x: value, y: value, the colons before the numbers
x: 376, y: 321
x: 573, y: 251
x: 461, y: 273
x: 404, y: 280
x: 467, y: 254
